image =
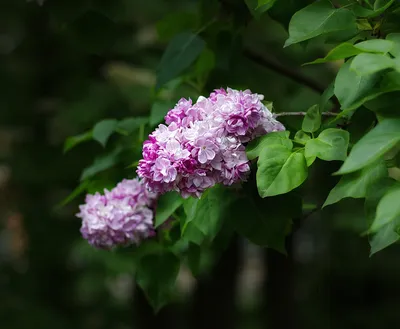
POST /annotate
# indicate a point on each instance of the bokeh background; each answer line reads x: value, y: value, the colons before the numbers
x: 65, y: 65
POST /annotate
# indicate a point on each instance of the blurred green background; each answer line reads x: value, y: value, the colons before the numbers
x: 65, y: 65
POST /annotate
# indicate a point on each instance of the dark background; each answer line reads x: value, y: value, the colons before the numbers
x: 65, y: 65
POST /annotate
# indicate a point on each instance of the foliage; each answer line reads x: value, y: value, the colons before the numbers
x: 363, y: 135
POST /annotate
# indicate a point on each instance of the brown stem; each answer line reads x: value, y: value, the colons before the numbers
x: 286, y: 71
x: 282, y: 114
x: 290, y: 73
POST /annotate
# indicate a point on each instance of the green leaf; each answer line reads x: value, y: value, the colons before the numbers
x: 166, y: 206
x: 395, y: 38
x: 366, y: 64
x: 379, y: 8
x: 268, y: 3
x: 199, y: 259
x: 181, y: 52
x: 356, y: 185
x: 388, y: 209
x: 204, y: 65
x: 193, y: 234
x: 265, y: 222
x: 326, y: 96
x: 279, y: 170
x: 375, y: 46
x: 389, y: 83
x: 174, y: 23
x: 301, y: 137
x: 129, y: 125
x: 77, y: 191
x: 156, y: 274
x: 381, y: 5
x: 207, y: 214
x: 364, y: 24
x: 330, y: 145
x: 101, y: 163
x: 317, y: 19
x: 103, y: 130
x: 98, y: 185
x: 386, y: 235
x: 312, y: 119
x: 158, y: 112
x: 345, y: 50
x: 75, y: 140
x: 257, y: 8
x: 372, y: 146
x: 350, y: 87
x: 254, y: 148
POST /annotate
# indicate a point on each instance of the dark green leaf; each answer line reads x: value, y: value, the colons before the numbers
x: 330, y: 145
x: 204, y: 65
x: 207, y: 214
x: 103, y: 130
x: 317, y: 19
x: 266, y: 3
x: 129, y: 125
x: 156, y: 274
x: 312, y: 119
x: 158, y: 111
x: 80, y: 189
x: 181, y: 52
x: 101, y: 163
x: 356, y: 185
x: 175, y: 23
x: 265, y: 222
x: 75, y: 140
x: 199, y: 259
x: 372, y: 146
x: 257, y: 8
x: 379, y: 7
x: 279, y: 170
x: 166, y: 206
x: 255, y: 147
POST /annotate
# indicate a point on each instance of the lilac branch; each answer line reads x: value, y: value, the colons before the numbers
x: 283, y: 114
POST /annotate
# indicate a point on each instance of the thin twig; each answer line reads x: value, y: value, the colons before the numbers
x: 286, y: 71
x: 290, y: 73
x: 283, y: 114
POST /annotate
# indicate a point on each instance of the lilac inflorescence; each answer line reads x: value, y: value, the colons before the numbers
x: 201, y: 144
x: 122, y: 216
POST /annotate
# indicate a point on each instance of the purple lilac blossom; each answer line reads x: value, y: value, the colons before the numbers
x: 201, y: 144
x: 122, y: 216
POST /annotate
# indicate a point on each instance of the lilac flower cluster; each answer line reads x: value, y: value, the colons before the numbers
x: 121, y: 216
x: 202, y: 144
